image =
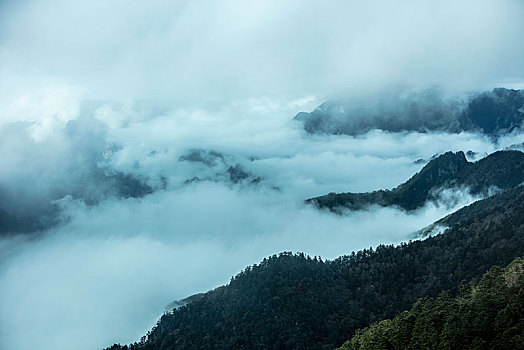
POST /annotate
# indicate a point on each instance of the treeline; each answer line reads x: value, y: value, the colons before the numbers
x: 292, y: 301
x: 501, y: 170
x: 484, y: 314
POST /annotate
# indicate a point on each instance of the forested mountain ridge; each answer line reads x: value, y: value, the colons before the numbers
x: 500, y: 170
x: 493, y: 113
x: 484, y: 314
x: 298, y: 302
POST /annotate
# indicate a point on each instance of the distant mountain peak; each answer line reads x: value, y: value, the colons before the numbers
x: 493, y: 113
x: 501, y: 170
x: 450, y: 160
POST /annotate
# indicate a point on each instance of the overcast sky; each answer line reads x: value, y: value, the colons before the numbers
x: 216, y: 50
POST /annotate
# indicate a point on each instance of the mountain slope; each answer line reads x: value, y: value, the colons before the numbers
x: 501, y: 170
x: 97, y: 186
x: 10, y: 223
x: 296, y: 302
x: 496, y: 112
x: 218, y: 167
x: 492, y: 113
x: 392, y: 110
x: 488, y: 314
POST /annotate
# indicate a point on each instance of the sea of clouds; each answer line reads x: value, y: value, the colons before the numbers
x: 106, y: 272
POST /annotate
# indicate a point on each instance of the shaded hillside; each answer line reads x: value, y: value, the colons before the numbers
x: 496, y: 112
x: 492, y: 113
x: 98, y: 185
x: 10, y: 223
x: 218, y: 167
x: 488, y: 314
x: 392, y: 110
x: 500, y: 170
x: 298, y: 302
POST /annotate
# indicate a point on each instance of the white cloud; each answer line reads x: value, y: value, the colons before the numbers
x: 202, y: 51
x: 107, y: 274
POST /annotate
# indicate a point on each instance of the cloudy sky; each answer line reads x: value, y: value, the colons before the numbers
x: 215, y: 50
x: 96, y: 88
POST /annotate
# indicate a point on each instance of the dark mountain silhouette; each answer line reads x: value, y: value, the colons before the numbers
x: 98, y: 185
x: 500, y: 170
x: 298, y: 302
x: 10, y: 223
x: 208, y: 158
x: 496, y: 112
x: 493, y: 113
x: 222, y: 168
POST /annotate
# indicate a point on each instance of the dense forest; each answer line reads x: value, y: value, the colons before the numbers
x: 500, y: 170
x: 484, y: 314
x: 293, y: 301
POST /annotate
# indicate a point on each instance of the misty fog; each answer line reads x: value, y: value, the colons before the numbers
x: 159, y: 144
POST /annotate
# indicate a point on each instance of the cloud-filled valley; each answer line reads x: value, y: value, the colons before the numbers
x: 107, y: 255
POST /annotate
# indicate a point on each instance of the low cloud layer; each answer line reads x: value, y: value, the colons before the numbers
x: 107, y: 271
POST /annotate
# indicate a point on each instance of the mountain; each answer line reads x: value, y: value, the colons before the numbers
x: 492, y: 113
x: 217, y: 167
x: 298, y: 302
x: 499, y: 171
x: 484, y: 314
x: 500, y: 111
x: 97, y: 186
x: 10, y: 223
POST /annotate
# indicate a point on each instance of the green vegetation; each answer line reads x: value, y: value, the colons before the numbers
x: 502, y: 170
x: 298, y: 302
x: 488, y: 314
